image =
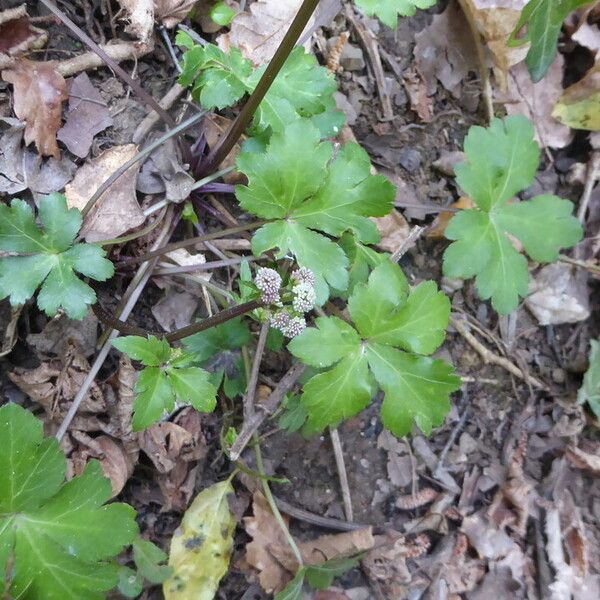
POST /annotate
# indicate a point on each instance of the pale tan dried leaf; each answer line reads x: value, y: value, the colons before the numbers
x: 495, y: 20
x: 265, y: 533
x: 394, y: 231
x: 17, y: 34
x: 587, y: 461
x: 117, y: 210
x: 140, y: 18
x: 171, y: 12
x: 536, y: 101
x: 574, y: 537
x: 39, y: 93
x: 420, y: 101
x: 259, y: 32
x: 412, y: 501
x: 122, y: 410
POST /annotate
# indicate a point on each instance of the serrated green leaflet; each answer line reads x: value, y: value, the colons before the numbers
x: 301, y: 89
x: 393, y: 327
x: 544, y: 20
x: 388, y: 10
x: 339, y: 195
x: 60, y: 539
x: 590, y: 389
x: 502, y: 161
x: 166, y: 378
x: 51, y: 258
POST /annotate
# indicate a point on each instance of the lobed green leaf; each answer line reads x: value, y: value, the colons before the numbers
x: 388, y: 10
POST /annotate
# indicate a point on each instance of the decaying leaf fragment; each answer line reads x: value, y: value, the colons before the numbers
x: 201, y: 547
x: 17, y: 34
x: 579, y: 106
x: 39, y: 93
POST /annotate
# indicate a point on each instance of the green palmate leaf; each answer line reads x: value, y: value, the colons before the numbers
x: 544, y: 20
x: 222, y: 14
x: 388, y: 10
x: 393, y: 327
x: 230, y: 335
x: 168, y: 377
x: 590, y: 389
x: 362, y: 261
x: 293, y: 590
x: 58, y: 541
x: 339, y: 195
x: 502, y: 161
x: 51, y: 258
x: 301, y: 89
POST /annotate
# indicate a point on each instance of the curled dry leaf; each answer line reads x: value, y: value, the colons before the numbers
x: 39, y: 93
x: 171, y: 12
x: 412, y: 501
x: 17, y: 34
x: 59, y: 333
x: 117, y: 210
x: 496, y: 20
x: 88, y: 115
x: 394, y: 231
x: 259, y: 32
x: 420, y: 101
x: 588, y: 461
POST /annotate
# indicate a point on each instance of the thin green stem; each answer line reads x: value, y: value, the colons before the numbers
x: 273, y: 505
x: 139, y: 156
x: 136, y: 234
x: 228, y: 141
x: 212, y: 177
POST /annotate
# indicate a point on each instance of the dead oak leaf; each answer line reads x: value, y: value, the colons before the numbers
x: 39, y: 93
x: 171, y: 12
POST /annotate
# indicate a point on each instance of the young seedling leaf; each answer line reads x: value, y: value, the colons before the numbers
x: 338, y: 196
x: 590, y: 389
x: 148, y: 559
x: 544, y: 20
x: 166, y: 378
x: 502, y: 161
x: 301, y: 89
x: 50, y: 259
x: 202, y: 546
x: 293, y: 590
x: 230, y: 335
x: 321, y: 576
x: 58, y: 540
x: 392, y: 327
x: 387, y: 11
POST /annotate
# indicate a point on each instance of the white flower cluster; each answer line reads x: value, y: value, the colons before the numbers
x: 303, y: 275
x: 304, y: 297
x: 268, y: 281
x: 289, y: 325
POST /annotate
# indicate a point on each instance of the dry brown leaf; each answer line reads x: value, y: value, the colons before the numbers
x: 579, y: 105
x: 438, y: 227
x: 444, y: 51
x: 537, y: 101
x: 88, y: 115
x: 420, y: 101
x: 17, y: 34
x: 54, y: 384
x: 121, y: 411
x: 171, y: 12
x: 39, y: 93
x: 259, y: 32
x: 574, y: 537
x: 117, y: 210
x: 265, y: 533
x: 394, y: 231
x: 495, y: 20
x: 588, y: 461
x: 215, y: 126
x: 115, y: 462
x: 175, y: 310
x: 139, y: 15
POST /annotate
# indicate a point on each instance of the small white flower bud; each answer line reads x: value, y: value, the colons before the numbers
x: 268, y: 281
x: 304, y: 297
x: 303, y: 275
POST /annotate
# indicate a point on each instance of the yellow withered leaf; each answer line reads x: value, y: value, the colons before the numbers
x: 201, y: 547
x: 579, y: 106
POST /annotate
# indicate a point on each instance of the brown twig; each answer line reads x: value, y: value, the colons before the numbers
x: 253, y: 379
x: 265, y: 409
x: 152, y: 118
x: 338, y: 452
x: 490, y: 358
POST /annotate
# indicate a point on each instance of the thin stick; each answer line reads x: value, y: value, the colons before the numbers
x: 191, y: 242
x: 490, y: 358
x: 342, y: 473
x: 413, y: 235
x: 88, y: 41
x: 253, y: 379
x: 208, y: 266
x: 273, y: 506
x: 139, y: 156
x: 265, y: 409
x: 228, y: 141
x: 593, y: 174
x: 136, y: 287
